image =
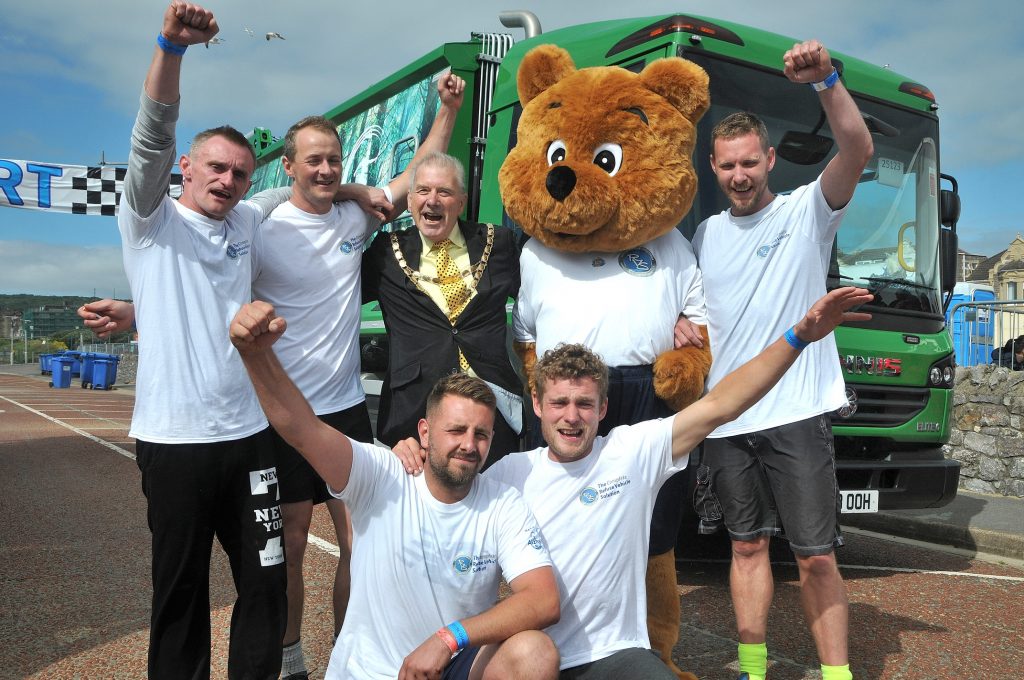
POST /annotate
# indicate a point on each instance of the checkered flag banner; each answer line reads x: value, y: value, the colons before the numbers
x: 76, y: 189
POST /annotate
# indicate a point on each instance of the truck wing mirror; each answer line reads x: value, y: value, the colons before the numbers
x: 803, y: 148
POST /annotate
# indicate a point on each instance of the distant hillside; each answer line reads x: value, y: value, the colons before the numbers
x: 20, y: 302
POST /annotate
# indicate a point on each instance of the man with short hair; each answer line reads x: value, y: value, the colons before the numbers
x: 443, y: 289
x: 428, y: 550
x: 204, y: 448
x: 306, y: 262
x: 594, y: 495
x: 763, y: 260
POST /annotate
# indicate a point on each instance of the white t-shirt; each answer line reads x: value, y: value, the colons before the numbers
x: 189, y: 275
x: 307, y: 266
x: 623, y: 306
x: 418, y: 564
x: 764, y: 271
x: 596, y: 515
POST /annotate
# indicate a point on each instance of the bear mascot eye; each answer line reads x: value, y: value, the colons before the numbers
x: 556, y: 152
x: 608, y: 157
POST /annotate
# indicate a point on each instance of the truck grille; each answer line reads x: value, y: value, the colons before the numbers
x: 879, y: 406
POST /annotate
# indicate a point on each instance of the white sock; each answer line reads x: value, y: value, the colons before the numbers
x: 292, y: 660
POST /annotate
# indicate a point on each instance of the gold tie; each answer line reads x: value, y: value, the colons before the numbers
x: 456, y: 292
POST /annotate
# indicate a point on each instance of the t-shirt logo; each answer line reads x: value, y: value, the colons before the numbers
x: 462, y: 564
x: 638, y: 261
x: 238, y: 249
x: 534, y: 541
x: 769, y: 247
x: 345, y: 247
x: 588, y: 495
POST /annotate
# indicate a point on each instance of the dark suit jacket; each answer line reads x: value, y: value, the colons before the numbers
x: 423, y: 343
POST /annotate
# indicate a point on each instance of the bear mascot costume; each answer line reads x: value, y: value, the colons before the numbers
x: 600, y: 176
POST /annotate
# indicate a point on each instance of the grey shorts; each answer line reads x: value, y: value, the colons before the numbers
x: 780, y: 481
x: 634, y: 662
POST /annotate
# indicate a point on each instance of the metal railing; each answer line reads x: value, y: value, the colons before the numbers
x: 982, y: 331
x: 111, y: 348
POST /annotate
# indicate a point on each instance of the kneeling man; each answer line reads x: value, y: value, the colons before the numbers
x: 428, y: 551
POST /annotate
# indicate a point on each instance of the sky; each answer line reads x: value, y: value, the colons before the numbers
x: 71, y: 75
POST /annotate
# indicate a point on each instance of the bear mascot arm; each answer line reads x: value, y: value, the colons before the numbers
x: 636, y: 182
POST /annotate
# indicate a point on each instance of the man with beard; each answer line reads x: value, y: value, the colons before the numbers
x: 429, y: 551
x: 594, y: 495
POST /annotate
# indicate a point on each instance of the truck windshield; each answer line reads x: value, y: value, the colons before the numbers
x: 889, y: 238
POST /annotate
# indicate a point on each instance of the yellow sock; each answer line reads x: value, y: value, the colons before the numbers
x: 753, y: 660
x: 836, y: 672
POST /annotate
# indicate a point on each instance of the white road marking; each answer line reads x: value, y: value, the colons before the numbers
x: 102, y: 442
x: 866, y: 567
x: 326, y: 546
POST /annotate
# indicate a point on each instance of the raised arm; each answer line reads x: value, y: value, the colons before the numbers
x: 450, y: 88
x: 742, y: 388
x: 254, y: 330
x: 809, y: 62
x: 152, y: 152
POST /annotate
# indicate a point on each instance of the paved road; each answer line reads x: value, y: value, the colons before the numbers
x: 74, y: 585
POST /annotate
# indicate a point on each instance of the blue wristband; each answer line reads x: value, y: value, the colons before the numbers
x: 169, y: 47
x: 832, y: 79
x: 461, y: 637
x: 795, y: 342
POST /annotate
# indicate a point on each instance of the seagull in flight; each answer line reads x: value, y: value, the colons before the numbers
x: 273, y: 34
x: 214, y: 41
x: 252, y: 33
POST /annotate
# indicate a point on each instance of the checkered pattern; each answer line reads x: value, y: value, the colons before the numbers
x: 98, y: 192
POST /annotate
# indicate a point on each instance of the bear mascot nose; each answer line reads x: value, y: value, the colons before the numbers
x: 560, y: 182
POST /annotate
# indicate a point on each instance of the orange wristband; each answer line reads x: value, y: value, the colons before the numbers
x: 449, y: 639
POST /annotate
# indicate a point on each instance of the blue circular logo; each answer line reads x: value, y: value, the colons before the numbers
x: 588, y: 495
x: 232, y: 251
x: 763, y: 251
x: 638, y: 261
x: 462, y: 564
x: 345, y: 247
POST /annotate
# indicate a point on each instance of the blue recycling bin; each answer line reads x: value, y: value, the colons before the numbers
x: 85, y: 372
x: 76, y: 365
x: 44, y: 363
x: 103, y: 373
x: 62, y: 370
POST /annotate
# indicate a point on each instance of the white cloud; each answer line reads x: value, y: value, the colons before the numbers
x: 48, y: 269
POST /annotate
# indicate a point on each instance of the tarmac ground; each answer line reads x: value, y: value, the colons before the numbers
x: 74, y: 586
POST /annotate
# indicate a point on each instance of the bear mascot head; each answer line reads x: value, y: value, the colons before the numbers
x: 602, y: 164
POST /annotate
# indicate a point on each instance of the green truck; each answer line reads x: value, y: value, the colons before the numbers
x: 898, y: 237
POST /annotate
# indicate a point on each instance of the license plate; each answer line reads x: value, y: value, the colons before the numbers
x: 859, y: 501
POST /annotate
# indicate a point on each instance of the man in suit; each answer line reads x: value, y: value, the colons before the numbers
x: 442, y: 289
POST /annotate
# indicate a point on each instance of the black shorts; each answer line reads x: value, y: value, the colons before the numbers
x: 299, y: 481
x: 779, y: 481
x: 461, y: 665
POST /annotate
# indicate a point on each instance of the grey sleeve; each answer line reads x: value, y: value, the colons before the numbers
x: 268, y: 199
x: 151, y: 157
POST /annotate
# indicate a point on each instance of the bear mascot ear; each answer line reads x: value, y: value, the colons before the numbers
x: 542, y: 67
x: 681, y: 82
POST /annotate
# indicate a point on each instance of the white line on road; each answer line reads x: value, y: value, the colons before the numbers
x: 867, y: 567
x: 326, y: 546
x: 102, y: 442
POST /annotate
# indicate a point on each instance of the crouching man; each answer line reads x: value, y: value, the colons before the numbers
x: 428, y: 551
x: 594, y: 495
